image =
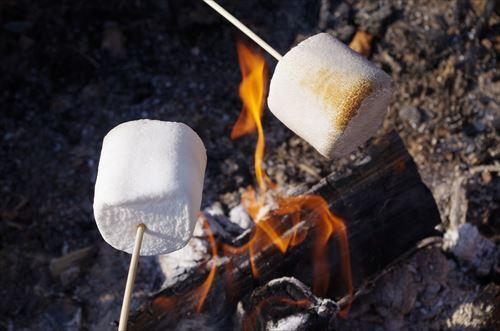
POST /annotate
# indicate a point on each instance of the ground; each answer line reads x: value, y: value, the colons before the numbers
x: 71, y: 70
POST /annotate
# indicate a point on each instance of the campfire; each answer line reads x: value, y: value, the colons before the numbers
x: 276, y: 217
x: 150, y: 181
x: 300, y: 227
x: 268, y: 207
x: 258, y: 202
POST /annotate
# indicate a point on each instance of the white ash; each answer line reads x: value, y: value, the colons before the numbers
x: 426, y: 292
x: 214, y: 209
x: 470, y: 316
x: 471, y: 248
x: 457, y: 195
x: 179, y: 265
x: 239, y: 216
x: 222, y: 227
x: 292, y: 322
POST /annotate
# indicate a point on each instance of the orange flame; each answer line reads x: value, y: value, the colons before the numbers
x: 205, y: 287
x: 268, y: 231
x: 200, y: 292
x: 252, y: 91
x: 278, y: 227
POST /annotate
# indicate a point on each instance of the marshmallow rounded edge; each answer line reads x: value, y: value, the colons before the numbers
x: 149, y: 172
x: 329, y: 95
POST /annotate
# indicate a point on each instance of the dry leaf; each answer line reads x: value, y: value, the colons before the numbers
x: 362, y: 43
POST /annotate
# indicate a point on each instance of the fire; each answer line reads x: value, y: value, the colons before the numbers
x: 288, y: 209
x: 252, y: 92
x: 277, y: 226
x: 202, y: 291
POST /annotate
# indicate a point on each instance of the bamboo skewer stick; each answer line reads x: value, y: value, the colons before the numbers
x: 132, y: 272
x: 237, y: 23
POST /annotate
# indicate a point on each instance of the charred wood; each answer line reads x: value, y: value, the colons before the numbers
x: 387, y: 210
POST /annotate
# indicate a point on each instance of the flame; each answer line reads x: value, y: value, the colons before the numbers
x: 289, y: 209
x: 200, y: 292
x: 205, y: 287
x: 252, y: 91
x: 277, y: 226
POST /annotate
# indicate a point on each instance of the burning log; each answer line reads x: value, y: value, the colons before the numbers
x: 286, y: 304
x: 386, y: 207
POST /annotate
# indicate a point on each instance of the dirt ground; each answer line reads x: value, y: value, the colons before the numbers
x: 72, y: 70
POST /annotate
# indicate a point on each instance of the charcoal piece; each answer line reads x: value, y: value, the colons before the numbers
x: 287, y: 303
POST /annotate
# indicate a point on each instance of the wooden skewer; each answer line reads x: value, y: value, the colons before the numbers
x: 132, y: 272
x: 237, y: 23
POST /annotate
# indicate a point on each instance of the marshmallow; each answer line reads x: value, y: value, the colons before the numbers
x: 329, y: 95
x: 150, y: 172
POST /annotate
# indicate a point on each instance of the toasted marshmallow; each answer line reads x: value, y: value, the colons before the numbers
x: 329, y: 95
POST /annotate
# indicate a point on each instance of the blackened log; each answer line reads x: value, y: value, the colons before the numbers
x: 386, y: 207
x: 286, y: 304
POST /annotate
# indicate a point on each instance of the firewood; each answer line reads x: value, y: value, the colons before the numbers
x: 284, y: 304
x: 387, y: 210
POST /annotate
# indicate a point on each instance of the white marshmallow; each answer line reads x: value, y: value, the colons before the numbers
x: 149, y: 172
x: 329, y: 95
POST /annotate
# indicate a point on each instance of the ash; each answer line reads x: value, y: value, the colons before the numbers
x: 73, y: 70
